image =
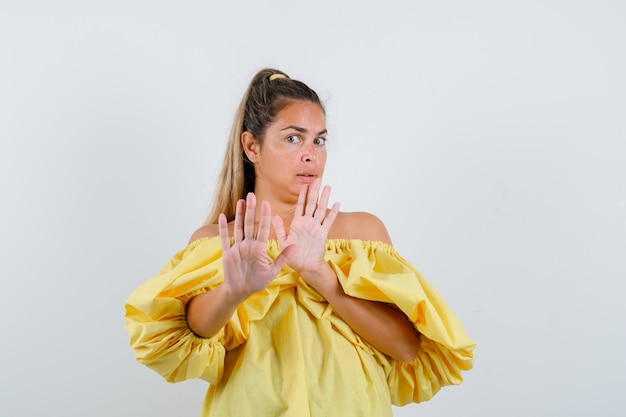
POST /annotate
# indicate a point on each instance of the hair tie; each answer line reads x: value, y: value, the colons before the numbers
x: 277, y: 76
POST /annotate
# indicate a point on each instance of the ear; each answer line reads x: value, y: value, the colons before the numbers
x: 251, y: 146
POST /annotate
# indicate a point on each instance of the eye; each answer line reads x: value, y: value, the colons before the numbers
x: 293, y: 139
x: 320, y: 141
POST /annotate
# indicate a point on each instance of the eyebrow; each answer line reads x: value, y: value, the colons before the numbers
x: 302, y: 130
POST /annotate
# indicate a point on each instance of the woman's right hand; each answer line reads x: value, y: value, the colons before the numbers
x: 247, y: 267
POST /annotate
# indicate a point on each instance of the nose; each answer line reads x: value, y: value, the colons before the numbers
x: 308, y: 153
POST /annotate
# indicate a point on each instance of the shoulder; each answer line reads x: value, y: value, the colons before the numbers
x: 209, y: 230
x: 359, y: 225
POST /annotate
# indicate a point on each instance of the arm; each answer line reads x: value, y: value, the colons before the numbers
x: 208, y: 312
x: 247, y: 269
x: 386, y: 328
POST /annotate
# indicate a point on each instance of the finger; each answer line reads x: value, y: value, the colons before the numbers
x: 222, y: 225
x: 279, y: 228
x: 320, y: 213
x: 312, y: 196
x: 248, y: 223
x: 238, y: 228
x: 282, y: 258
x: 264, y: 225
x: 331, y: 216
x: 301, y: 200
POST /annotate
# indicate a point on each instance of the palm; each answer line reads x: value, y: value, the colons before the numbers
x: 309, y: 229
x: 310, y: 238
x: 247, y: 267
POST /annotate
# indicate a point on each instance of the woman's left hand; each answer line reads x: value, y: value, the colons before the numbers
x: 308, y: 231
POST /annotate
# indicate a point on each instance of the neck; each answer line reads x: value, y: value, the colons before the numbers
x: 282, y: 206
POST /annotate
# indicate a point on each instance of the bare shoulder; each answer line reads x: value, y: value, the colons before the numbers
x: 208, y: 230
x: 359, y: 225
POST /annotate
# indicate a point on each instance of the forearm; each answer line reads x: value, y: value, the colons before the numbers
x: 383, y: 326
x: 208, y: 312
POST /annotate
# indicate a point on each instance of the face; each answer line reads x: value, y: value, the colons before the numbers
x: 293, y: 152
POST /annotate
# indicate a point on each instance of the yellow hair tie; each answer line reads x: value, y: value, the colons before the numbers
x: 276, y: 76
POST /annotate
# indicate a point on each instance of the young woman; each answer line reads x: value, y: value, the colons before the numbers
x: 288, y: 307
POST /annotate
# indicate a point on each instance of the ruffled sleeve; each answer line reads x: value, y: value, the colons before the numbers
x: 375, y: 271
x: 157, y: 324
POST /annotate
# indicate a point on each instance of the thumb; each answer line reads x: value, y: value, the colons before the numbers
x: 283, y: 256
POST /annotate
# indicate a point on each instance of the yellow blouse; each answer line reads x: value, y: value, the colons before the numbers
x: 285, y: 352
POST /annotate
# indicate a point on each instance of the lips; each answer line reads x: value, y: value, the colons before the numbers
x: 307, y: 177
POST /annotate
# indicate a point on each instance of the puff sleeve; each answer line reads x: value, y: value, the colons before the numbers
x: 156, y: 318
x: 375, y: 271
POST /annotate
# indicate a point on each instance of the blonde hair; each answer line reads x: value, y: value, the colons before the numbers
x: 267, y: 94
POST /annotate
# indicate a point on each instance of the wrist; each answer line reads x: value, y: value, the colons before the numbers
x: 231, y: 296
x: 323, y: 279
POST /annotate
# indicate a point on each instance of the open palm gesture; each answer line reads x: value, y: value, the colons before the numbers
x: 247, y: 267
x: 308, y: 230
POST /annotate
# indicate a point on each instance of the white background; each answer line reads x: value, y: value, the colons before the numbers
x: 487, y: 135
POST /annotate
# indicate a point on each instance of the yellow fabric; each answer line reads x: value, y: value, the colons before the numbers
x: 285, y: 352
